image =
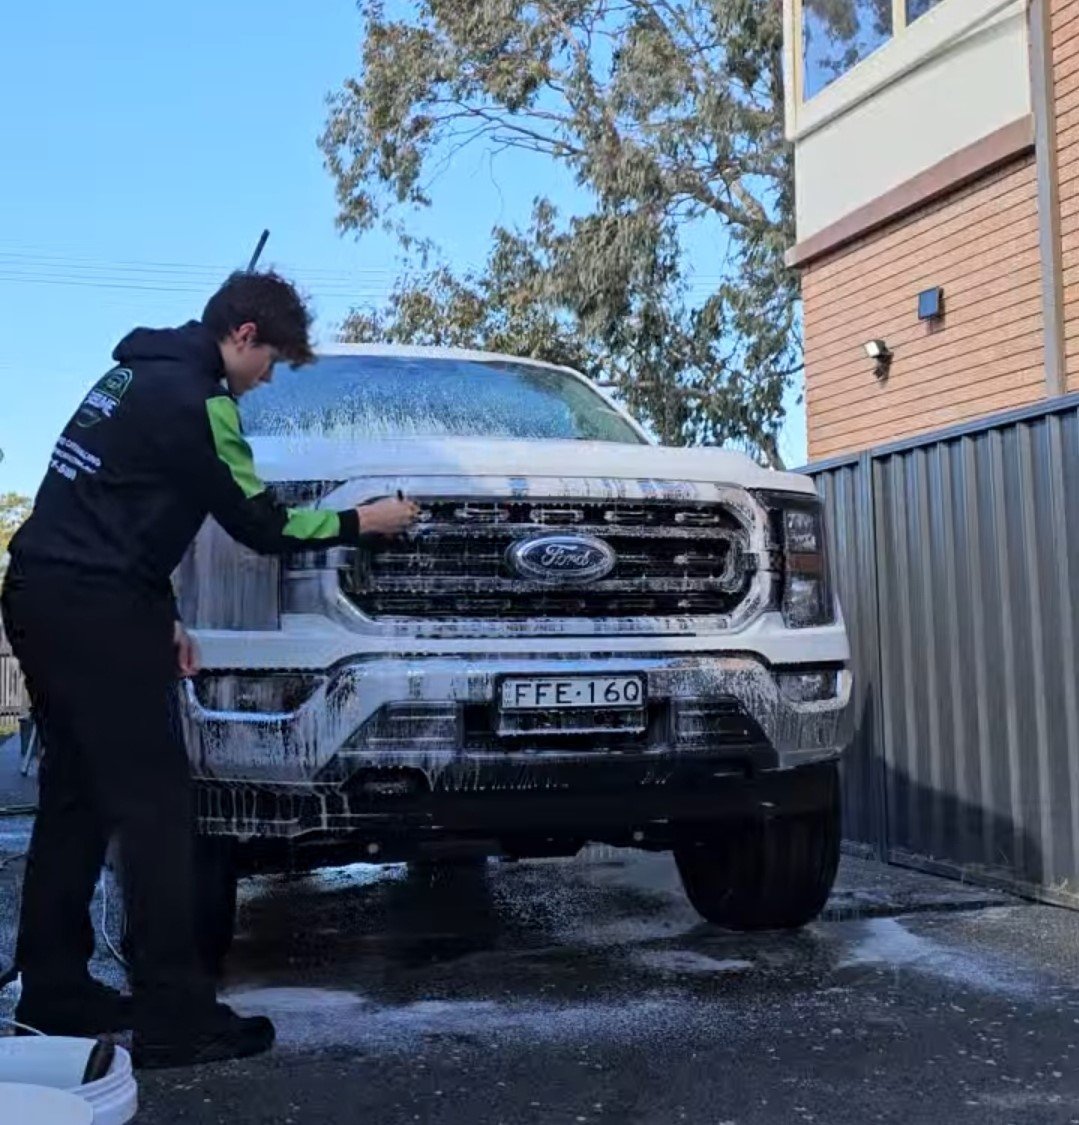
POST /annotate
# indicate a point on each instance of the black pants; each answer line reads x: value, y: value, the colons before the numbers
x: 101, y: 672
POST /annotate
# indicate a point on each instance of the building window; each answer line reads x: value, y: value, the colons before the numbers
x: 839, y: 34
x: 918, y: 8
x: 836, y: 35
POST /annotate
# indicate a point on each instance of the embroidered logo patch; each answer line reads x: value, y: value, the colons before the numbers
x: 103, y: 400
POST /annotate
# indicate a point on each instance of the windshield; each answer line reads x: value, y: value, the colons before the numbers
x: 371, y: 396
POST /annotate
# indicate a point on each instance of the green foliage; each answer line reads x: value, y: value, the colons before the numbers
x: 669, y: 114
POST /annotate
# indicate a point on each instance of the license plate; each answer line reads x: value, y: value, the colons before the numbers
x: 536, y: 693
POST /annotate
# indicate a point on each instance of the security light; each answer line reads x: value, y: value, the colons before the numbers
x: 878, y: 350
x: 881, y: 354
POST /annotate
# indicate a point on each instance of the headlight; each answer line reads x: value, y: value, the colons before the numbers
x: 807, y: 587
x: 797, y: 521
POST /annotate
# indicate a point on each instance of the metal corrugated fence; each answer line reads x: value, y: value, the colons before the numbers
x: 850, y: 535
x: 956, y: 560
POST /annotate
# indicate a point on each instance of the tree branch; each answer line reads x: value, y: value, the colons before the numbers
x: 661, y: 139
x: 549, y: 144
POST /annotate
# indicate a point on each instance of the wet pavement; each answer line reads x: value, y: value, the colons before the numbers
x: 588, y: 991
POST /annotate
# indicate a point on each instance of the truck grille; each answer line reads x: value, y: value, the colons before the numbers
x: 672, y: 559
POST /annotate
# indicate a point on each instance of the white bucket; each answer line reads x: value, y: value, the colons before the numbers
x: 38, y: 1105
x: 59, y: 1063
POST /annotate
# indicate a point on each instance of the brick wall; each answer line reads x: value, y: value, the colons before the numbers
x: 981, y: 245
x: 1064, y: 15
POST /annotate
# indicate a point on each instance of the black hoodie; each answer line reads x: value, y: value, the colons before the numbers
x: 155, y: 447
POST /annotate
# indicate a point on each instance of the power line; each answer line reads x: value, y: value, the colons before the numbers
x: 45, y: 260
x: 362, y: 286
x: 20, y: 260
x: 335, y: 291
x: 92, y: 274
x: 177, y: 272
x: 151, y: 286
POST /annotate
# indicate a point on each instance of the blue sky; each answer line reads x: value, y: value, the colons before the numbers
x: 144, y: 148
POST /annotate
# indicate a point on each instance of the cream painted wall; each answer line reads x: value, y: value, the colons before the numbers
x: 948, y: 80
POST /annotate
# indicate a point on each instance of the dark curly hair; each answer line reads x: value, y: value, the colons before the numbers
x: 269, y: 302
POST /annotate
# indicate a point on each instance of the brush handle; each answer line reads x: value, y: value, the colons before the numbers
x: 100, y: 1061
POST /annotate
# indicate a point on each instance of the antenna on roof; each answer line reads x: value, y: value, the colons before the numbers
x: 258, y: 251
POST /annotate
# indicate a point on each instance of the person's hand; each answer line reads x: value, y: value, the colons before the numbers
x: 389, y: 517
x: 188, y: 659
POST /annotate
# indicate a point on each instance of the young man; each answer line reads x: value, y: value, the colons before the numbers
x: 155, y: 447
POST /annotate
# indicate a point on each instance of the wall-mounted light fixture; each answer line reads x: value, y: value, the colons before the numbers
x: 882, y: 356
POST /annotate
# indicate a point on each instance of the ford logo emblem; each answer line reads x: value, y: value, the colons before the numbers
x: 562, y: 559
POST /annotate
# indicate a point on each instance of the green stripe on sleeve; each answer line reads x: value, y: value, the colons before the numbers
x: 308, y: 523
x: 231, y: 445
x: 233, y: 449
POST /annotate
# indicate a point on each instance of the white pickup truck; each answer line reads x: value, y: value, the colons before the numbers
x: 586, y: 638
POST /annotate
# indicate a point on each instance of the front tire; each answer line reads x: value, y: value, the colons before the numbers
x: 766, y: 874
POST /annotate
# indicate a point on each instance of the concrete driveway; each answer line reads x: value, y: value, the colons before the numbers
x: 588, y: 991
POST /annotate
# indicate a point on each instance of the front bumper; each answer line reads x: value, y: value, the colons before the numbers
x: 431, y: 722
x: 574, y: 806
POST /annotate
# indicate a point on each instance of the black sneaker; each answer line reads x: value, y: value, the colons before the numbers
x: 84, y: 1011
x: 220, y: 1035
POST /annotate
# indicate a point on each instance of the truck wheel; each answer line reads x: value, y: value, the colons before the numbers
x: 773, y: 874
x: 215, y: 900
